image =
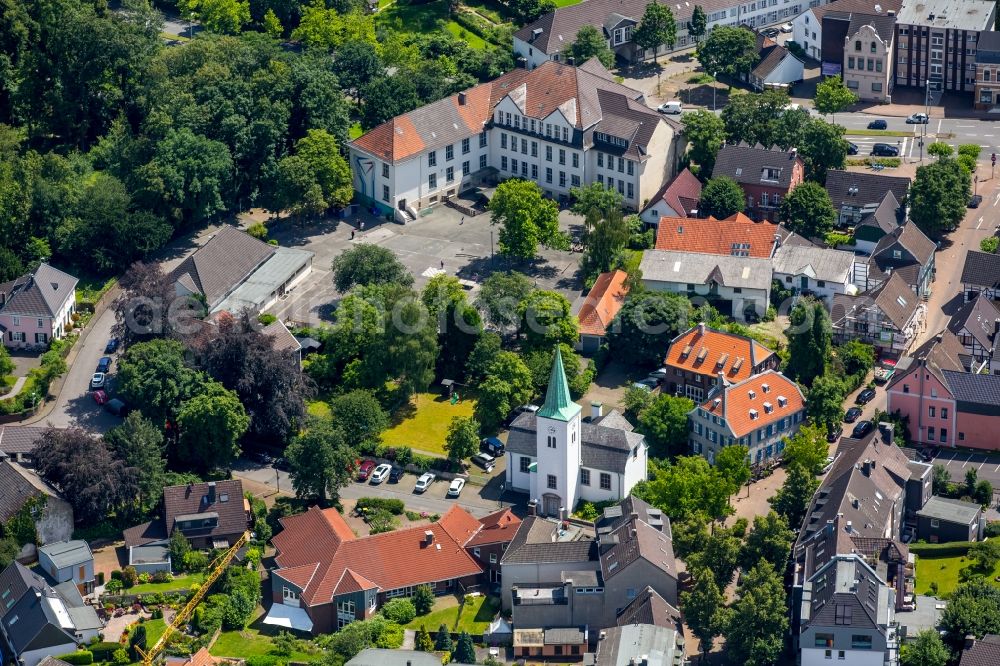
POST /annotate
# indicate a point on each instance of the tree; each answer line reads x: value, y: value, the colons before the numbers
x: 407, y: 348
x: 664, y: 422
x: 138, y: 443
x: 400, y: 611
x: 482, y: 356
x: 508, y: 384
x: 645, y: 320
x: 704, y: 609
x: 359, y: 417
x: 222, y: 16
x: 296, y: 188
x: 986, y: 555
x: 9, y: 551
x: 320, y: 150
x: 973, y: 609
x: 589, y: 44
x: 989, y: 244
x: 728, y: 50
x: 500, y: 296
x: 546, y: 320
x: 808, y: 211
x: 10, y: 265
x: 832, y: 96
x: 822, y: 147
x: 321, y: 461
x: 272, y: 24
x: 927, y: 649
x: 763, y: 118
x: 442, y: 641
x: 149, y: 308
x: 721, y: 197
x: 769, y: 541
x: 595, y: 197
x: 792, y: 500
x: 387, y: 97
x: 422, y: 641
x: 807, y: 448
x: 971, y: 477
x: 687, y: 488
x: 983, y: 494
x: 705, y: 133
x: 656, y: 27
x: 368, y: 264
x: 319, y: 27
x: 940, y: 150
x: 810, y: 336
x: 720, y: 554
x: 526, y: 219
x: 858, y: 358
x: 464, y: 652
x: 733, y: 463
x: 211, y: 425
x: 758, y: 619
x: 938, y: 196
x: 824, y: 401
x: 459, y: 325
x: 179, y: 548
x: 356, y: 63
x: 423, y: 599
x: 941, y: 480
x: 463, y: 439
x: 698, y: 23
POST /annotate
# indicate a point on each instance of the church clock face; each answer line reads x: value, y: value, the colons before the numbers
x: 552, y: 428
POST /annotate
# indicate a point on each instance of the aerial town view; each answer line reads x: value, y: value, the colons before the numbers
x: 500, y: 332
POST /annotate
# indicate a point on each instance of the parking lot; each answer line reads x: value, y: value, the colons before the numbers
x: 959, y: 462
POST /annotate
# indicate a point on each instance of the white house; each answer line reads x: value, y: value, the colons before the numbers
x: 807, y: 27
x: 559, y: 459
x: 820, y: 271
x: 557, y: 125
x: 777, y: 66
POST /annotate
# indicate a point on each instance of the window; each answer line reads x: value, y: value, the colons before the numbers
x: 385, y: 170
x: 503, y: 162
x: 857, y: 45
x: 524, y: 146
x: 551, y: 482
x: 525, y: 464
x: 828, y: 654
x: 574, y: 181
x: 930, y: 411
x: 548, y: 174
x: 871, y: 65
x: 621, y: 165
x: 944, y: 435
x: 841, y: 655
x: 600, y: 160
x: 503, y: 140
x: 585, y: 477
x: 562, y: 156
x: 432, y: 158
x: 385, y: 193
x: 935, y: 522
x: 986, y: 75
x: 565, y: 134
x: 600, y: 179
x: 449, y: 174
x: 605, y: 481
x: 961, y: 436
x: 465, y: 146
x: 562, y: 179
x: 513, y: 166
x: 944, y: 412
x: 906, y: 388
x: 534, y: 172
x: 631, y: 190
x: 930, y: 433
x: 493, y: 558
x: 873, y: 47
x: 432, y: 181
x: 631, y: 167
x: 288, y: 594
x: 517, y: 122
x: 507, y: 118
x: 524, y: 169
x: 550, y: 442
x: 17, y: 321
x: 548, y: 153
x: 534, y: 149
x: 482, y: 161
x: 475, y: 551
x: 465, y: 168
x: 482, y: 139
x: 576, y: 160
x: 824, y: 640
x: 850, y: 62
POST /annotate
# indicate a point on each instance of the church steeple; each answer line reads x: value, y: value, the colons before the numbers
x: 558, y: 404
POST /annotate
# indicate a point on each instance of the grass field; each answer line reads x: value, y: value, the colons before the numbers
x: 868, y: 132
x: 476, y: 615
x: 318, y: 408
x: 471, y: 38
x: 251, y: 643
x: 944, y: 571
x: 416, y: 18
x: 178, y: 583
x: 491, y: 9
x: 423, y: 424
x: 354, y: 131
x: 154, y: 629
x: 567, y: 3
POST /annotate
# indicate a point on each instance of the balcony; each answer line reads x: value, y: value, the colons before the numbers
x: 540, y: 596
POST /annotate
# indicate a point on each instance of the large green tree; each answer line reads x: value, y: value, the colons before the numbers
x: 368, y: 264
x: 526, y: 219
x: 938, y: 196
x: 705, y: 133
x: 508, y: 384
x: 721, y: 197
x: 359, y: 416
x: 321, y: 460
x: 770, y: 540
x: 546, y: 320
x: 500, y: 296
x: 973, y: 609
x: 762, y: 118
x: 595, y: 198
x: 926, y: 649
x: 705, y: 609
x: 687, y: 488
x: 698, y: 23
x: 211, y: 424
x: 138, y: 443
x: 590, y: 43
x: 462, y: 440
x: 808, y: 211
x: 832, y: 96
x: 320, y: 151
x: 792, y: 499
x: 824, y: 402
x: 810, y: 338
x: 656, y: 28
x: 822, y: 147
x: 155, y: 377
x: 728, y: 50
x: 758, y: 619
x: 645, y: 320
x: 665, y: 424
x: 222, y: 16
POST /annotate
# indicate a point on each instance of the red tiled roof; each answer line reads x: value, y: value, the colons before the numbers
x: 338, y: 524
x: 681, y: 194
x: 712, y: 236
x: 735, y: 355
x: 459, y: 524
x: 737, y: 401
x: 498, y: 527
x: 352, y: 582
x: 300, y: 576
x: 603, y: 302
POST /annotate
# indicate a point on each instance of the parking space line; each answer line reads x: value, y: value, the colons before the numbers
x: 967, y: 461
x: 981, y: 465
x: 997, y: 469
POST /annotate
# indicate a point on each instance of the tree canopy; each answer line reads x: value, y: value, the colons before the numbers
x: 589, y: 43
x: 526, y: 219
x: 938, y: 196
x: 727, y: 50
x: 368, y: 264
x: 808, y: 211
x: 721, y: 197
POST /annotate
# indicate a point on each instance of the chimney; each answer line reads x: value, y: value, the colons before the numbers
x: 891, y: 12
x: 701, y: 328
x: 996, y: 324
x: 533, y: 507
x: 595, y: 410
x: 939, y: 338
x: 428, y: 537
x: 850, y: 527
x: 722, y: 380
x: 970, y: 640
x: 461, y: 99
x: 536, y: 33
x: 793, y: 152
x: 211, y: 492
x: 888, y: 432
x: 866, y: 467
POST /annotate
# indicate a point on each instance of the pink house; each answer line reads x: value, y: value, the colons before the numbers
x: 946, y: 405
x: 35, y: 308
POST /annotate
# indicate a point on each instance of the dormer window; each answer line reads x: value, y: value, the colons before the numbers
x: 752, y: 394
x: 768, y: 408
x: 782, y: 401
x: 770, y: 174
x: 753, y: 414
x: 766, y: 388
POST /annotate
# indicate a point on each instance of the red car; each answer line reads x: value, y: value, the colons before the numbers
x: 365, y: 469
x: 100, y: 397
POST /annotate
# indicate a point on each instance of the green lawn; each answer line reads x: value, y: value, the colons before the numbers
x: 944, y: 571
x: 354, y: 131
x: 423, y: 424
x: 416, y: 18
x: 873, y: 132
x: 476, y: 615
x: 251, y: 643
x: 154, y: 629
x: 471, y: 38
x: 178, y: 583
x: 567, y: 3
x: 496, y: 11
x: 318, y: 408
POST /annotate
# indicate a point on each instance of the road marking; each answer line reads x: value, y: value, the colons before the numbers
x: 980, y: 223
x: 989, y: 135
x: 997, y: 469
x: 997, y: 199
x: 939, y: 125
x: 964, y: 125
x: 966, y: 461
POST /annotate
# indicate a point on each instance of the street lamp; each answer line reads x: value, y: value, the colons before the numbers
x: 715, y: 76
x: 191, y: 25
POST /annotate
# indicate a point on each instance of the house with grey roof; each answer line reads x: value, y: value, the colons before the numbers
x: 234, y: 271
x: 38, y: 620
x: 977, y: 326
x: 380, y: 657
x: 19, y: 486
x: 943, y: 519
x: 37, y: 308
x: 855, y: 194
x: 983, y: 651
x: 887, y: 317
x: 815, y: 271
x: 640, y: 645
x: 905, y: 251
x: 876, y: 223
x: 981, y: 275
x: 766, y: 175
x: 776, y: 66
x: 17, y: 443
x: 69, y: 561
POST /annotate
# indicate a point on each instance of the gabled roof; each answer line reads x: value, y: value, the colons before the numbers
x: 941, y: 352
x: 755, y: 402
x: 769, y: 52
x: 883, y: 24
x: 696, y: 268
x: 39, y: 294
x: 983, y: 652
x: 745, y: 164
x: 732, y: 354
x: 498, y: 527
x: 633, y: 540
x: 222, y: 264
x: 979, y: 317
x: 649, y: 608
x: 859, y: 188
x: 192, y: 499
x: 282, y: 338
x: 603, y: 447
x: 906, y: 237
x: 978, y: 393
x: 536, y: 543
x: 988, y: 48
x: 982, y: 269
x: 603, y: 302
x: 144, y: 534
x: 951, y: 510
x: 681, y: 193
x: 818, y: 263
x: 884, y: 218
x: 893, y: 298
x: 736, y: 235
x: 18, y: 485
x: 67, y: 553
x: 20, y: 439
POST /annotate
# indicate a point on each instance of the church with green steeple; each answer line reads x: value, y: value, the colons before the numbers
x: 559, y: 457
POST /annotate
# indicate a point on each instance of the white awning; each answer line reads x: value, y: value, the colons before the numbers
x: 288, y: 617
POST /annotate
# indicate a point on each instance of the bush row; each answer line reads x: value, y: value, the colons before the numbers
x: 393, y: 506
x: 477, y: 24
x: 81, y: 658
x: 941, y: 549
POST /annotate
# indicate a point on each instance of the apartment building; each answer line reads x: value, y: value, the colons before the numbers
x: 888, y: 317
x: 987, y: 90
x: 808, y: 27
x: 766, y: 176
x: 868, y: 59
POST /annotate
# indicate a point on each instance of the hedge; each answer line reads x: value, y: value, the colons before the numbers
x: 393, y: 506
x: 81, y: 658
x: 104, y: 651
x: 941, y: 549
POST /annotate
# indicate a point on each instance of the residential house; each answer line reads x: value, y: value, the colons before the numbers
x: 946, y: 405
x: 868, y: 55
x: 888, y: 317
x: 557, y: 125
x: 326, y: 577
x: 983, y: 651
x: 234, y: 271
x: 906, y: 252
x: 808, y: 28
x: 677, y: 198
x: 815, y: 271
x: 942, y: 520
x: 20, y: 486
x: 17, y: 443
x: 986, y: 95
x: 776, y: 66
x: 69, y: 561
x: 380, y: 657
x: 937, y: 41
x: 283, y: 341
x: 981, y: 275
x: 875, y: 225
x: 976, y: 325
x: 696, y: 357
x: 855, y: 194
x: 767, y: 176
x: 736, y: 236
x: 645, y: 644
x: 200, y: 658
x: 37, y: 308
x: 738, y: 286
x: 603, y: 302
x: 559, y: 459
x: 38, y: 621
x: 759, y: 413
x: 487, y: 546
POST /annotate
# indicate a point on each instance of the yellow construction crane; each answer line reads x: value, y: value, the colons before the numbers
x: 217, y: 566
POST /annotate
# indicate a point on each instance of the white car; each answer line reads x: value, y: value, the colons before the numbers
x: 424, y: 482
x: 786, y: 27
x: 380, y: 474
x: 673, y: 107
x: 455, y: 489
x: 97, y: 381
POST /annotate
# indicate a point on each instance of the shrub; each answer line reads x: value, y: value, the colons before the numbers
x: 81, y: 658
x: 145, y: 577
x: 393, y: 506
x: 400, y: 611
x: 104, y: 651
x: 195, y: 560
x: 989, y: 244
x: 130, y: 577
x: 258, y: 231
x: 264, y: 660
x: 423, y: 599
x: 162, y: 577
x: 380, y: 520
x: 114, y: 585
x: 121, y: 657
x: 284, y: 644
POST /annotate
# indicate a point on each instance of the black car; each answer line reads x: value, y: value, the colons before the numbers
x: 396, y: 474
x: 865, y: 396
x: 885, y: 150
x: 852, y: 148
x: 833, y: 435
x: 112, y: 346
x: 852, y: 415
x: 975, y: 200
x: 878, y: 125
x: 862, y: 429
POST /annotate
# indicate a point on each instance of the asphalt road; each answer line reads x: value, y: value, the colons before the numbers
x: 958, y: 463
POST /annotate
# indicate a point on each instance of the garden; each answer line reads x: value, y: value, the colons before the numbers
x: 471, y: 613
x: 941, y: 567
x: 422, y: 424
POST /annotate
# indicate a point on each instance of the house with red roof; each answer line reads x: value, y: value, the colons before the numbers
x: 736, y: 236
x: 326, y: 577
x: 603, y: 302
x: 678, y: 198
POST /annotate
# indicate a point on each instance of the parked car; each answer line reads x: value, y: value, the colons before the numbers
x: 852, y: 148
x: 770, y: 32
x: 100, y: 397
x: 396, y: 474
x: 104, y: 364
x: 833, y: 436
x: 97, y: 381
x: 885, y: 150
x: 365, y: 469
x: 658, y: 375
x: 455, y: 489
x: 647, y: 384
x: 673, y: 107
x: 112, y: 346
x: 484, y: 460
x: 917, y: 119
x: 930, y: 453
x: 861, y: 429
x: 492, y: 446
x: 786, y: 27
x: 852, y: 415
x: 380, y: 474
x: 865, y: 396
x: 975, y: 200
x: 878, y: 124
x: 117, y: 407
x: 424, y: 482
